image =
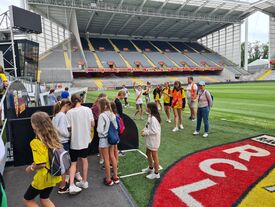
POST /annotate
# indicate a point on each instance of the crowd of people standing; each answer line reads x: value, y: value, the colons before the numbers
x: 74, y: 126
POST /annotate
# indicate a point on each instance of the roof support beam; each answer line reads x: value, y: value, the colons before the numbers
x: 89, y: 21
x: 125, y: 24
x: 140, y: 26
x: 142, y: 5
x: 111, y: 9
x: 200, y: 7
x: 190, y: 26
x: 163, y: 5
x: 231, y: 10
x: 155, y: 27
x: 216, y: 9
x: 111, y: 18
x: 168, y: 29
x: 182, y: 6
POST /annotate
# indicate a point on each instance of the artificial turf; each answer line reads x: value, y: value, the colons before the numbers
x: 239, y: 111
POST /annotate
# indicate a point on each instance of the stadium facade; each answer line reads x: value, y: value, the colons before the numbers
x: 93, y: 33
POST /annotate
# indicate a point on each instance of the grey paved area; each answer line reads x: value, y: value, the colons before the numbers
x: 97, y: 194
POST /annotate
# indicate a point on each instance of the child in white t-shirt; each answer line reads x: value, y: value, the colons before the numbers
x: 139, y: 100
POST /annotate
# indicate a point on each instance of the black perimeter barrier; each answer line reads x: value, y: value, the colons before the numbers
x: 21, y: 134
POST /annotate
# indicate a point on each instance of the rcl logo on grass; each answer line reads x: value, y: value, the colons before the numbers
x: 219, y: 177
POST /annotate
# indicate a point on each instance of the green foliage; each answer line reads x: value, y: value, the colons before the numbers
x: 239, y: 111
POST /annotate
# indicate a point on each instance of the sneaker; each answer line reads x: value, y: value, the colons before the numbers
x: 116, y: 180
x: 108, y: 183
x: 147, y: 170
x: 63, y: 190
x: 82, y: 184
x: 193, y: 119
x: 168, y: 120
x: 121, y: 154
x: 181, y: 126
x: 101, y: 161
x: 196, y: 133
x: 74, y: 189
x: 205, y: 135
x: 153, y: 176
x: 78, y: 177
x: 175, y: 129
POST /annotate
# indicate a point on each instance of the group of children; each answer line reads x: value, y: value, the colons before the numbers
x: 70, y: 129
x: 175, y: 98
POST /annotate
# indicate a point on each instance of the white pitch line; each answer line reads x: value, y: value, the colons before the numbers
x: 138, y: 173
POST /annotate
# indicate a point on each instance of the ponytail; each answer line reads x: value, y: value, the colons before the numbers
x: 58, y: 106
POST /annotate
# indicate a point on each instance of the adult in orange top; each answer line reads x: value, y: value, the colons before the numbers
x: 178, y: 104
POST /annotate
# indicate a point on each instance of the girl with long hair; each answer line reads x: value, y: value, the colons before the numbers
x: 108, y: 151
x: 43, y: 182
x: 152, y: 134
x: 178, y: 104
x: 60, y: 123
x: 157, y: 95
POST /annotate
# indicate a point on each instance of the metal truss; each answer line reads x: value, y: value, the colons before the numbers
x: 112, y: 8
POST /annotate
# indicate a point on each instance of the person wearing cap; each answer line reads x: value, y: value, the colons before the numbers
x: 191, y: 94
x: 204, y: 104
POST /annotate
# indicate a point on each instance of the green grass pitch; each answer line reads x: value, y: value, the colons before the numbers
x: 239, y: 111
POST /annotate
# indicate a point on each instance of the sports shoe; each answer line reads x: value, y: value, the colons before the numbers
x: 205, y: 135
x: 116, y: 180
x: 181, y: 126
x: 196, y: 133
x: 63, y: 190
x: 147, y: 170
x: 82, y: 184
x: 101, y: 161
x: 108, y: 183
x: 168, y: 120
x: 74, y: 189
x: 121, y: 154
x: 152, y: 176
x: 193, y: 119
x: 175, y: 129
x: 78, y: 177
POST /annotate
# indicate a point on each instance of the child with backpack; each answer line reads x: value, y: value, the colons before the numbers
x: 107, y: 129
x: 81, y: 120
x: 60, y: 123
x: 152, y: 134
x: 46, y: 140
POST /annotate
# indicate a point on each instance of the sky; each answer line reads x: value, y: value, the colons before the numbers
x: 258, y: 23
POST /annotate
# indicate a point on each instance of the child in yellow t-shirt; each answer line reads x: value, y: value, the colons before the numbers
x: 43, y: 182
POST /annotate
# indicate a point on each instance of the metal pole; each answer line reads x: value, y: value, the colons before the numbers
x: 13, y: 53
x: 246, y: 45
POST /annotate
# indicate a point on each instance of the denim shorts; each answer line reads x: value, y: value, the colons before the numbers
x: 103, y: 142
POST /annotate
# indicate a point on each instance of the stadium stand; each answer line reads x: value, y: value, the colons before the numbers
x: 55, y: 59
x: 182, y: 60
x: 201, y: 60
x: 136, y: 57
x: 181, y: 46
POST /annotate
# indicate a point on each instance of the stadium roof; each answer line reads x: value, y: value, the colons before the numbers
x: 162, y: 19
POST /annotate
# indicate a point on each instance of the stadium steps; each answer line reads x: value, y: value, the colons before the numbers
x: 99, y: 83
x: 118, y: 51
x: 140, y: 51
x: 265, y: 75
x: 192, y: 48
x: 162, y: 53
x: 68, y: 61
x: 176, y: 49
x: 92, y: 49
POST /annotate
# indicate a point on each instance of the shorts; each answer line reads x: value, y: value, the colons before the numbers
x: 66, y: 146
x: 83, y: 153
x: 31, y: 193
x: 192, y: 104
x: 138, y: 106
x: 147, y: 98
x: 167, y: 104
x: 103, y: 143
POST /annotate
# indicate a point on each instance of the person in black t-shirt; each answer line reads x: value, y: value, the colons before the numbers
x: 120, y: 96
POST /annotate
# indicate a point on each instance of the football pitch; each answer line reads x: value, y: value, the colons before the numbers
x: 239, y: 111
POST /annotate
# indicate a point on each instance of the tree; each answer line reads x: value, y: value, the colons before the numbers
x: 256, y: 50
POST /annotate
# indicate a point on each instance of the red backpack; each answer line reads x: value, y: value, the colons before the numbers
x: 121, y: 126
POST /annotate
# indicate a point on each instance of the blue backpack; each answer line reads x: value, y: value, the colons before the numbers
x: 113, y: 137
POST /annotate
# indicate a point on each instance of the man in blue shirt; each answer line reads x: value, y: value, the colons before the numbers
x: 65, y: 94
